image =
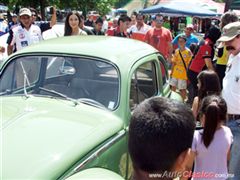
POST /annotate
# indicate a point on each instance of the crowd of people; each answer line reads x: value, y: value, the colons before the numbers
x: 161, y: 131
x: 155, y: 135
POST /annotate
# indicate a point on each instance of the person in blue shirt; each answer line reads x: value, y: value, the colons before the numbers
x: 13, y: 23
x: 190, y: 37
x: 3, y: 25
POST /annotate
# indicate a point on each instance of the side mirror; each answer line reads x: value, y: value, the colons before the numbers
x: 68, y: 70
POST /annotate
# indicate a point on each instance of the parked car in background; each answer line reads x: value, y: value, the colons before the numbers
x: 66, y: 105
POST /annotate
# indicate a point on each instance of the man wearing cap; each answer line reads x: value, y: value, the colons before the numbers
x: 190, y: 37
x: 160, y: 38
x: 26, y: 33
x: 231, y: 91
x: 89, y: 21
x: 222, y: 53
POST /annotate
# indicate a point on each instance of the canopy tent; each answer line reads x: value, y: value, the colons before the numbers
x: 180, y: 8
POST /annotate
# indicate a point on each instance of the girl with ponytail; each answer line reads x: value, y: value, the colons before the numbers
x: 211, y: 145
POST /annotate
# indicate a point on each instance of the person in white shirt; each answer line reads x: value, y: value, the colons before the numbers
x: 139, y: 30
x: 25, y: 33
x: 105, y: 24
x: 231, y: 91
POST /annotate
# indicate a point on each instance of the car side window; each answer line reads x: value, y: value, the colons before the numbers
x: 143, y: 83
x: 164, y: 74
x: 57, y: 66
x: 23, y: 71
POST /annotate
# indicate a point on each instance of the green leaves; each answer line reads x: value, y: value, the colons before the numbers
x: 102, y: 6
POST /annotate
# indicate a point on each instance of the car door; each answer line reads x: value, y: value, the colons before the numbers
x: 147, y: 79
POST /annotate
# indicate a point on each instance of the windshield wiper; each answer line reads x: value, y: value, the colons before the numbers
x: 60, y: 95
x: 91, y: 102
x: 25, y: 80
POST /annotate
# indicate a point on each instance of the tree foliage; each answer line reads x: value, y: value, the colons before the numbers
x: 102, y: 6
x: 220, y: 1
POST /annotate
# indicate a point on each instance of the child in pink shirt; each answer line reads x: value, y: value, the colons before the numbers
x: 211, y: 146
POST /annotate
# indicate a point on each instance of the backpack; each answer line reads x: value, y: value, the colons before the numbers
x: 194, y: 49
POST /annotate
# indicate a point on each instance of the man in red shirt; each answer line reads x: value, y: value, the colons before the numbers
x: 160, y: 38
x: 121, y: 29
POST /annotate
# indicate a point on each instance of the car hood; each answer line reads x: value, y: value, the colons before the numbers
x: 42, y: 137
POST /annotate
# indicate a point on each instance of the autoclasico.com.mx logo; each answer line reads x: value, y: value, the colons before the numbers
x: 188, y: 174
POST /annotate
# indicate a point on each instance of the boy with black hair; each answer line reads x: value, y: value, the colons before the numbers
x: 98, y: 27
x: 160, y: 137
x: 121, y: 29
x: 180, y: 61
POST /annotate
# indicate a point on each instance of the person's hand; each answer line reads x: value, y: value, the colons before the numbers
x: 2, y: 49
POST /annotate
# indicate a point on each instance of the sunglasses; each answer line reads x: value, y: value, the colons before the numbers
x: 159, y: 20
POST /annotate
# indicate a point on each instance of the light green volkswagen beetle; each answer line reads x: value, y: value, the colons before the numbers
x: 66, y: 105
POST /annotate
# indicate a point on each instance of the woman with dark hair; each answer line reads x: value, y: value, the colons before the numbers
x: 211, y: 146
x: 208, y: 84
x: 72, y: 24
x: 203, y: 59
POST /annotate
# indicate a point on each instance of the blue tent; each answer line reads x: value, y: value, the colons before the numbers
x: 180, y: 8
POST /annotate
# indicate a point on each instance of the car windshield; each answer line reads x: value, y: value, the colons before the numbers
x: 81, y: 79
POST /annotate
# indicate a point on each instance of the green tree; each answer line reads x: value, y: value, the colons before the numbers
x: 102, y: 6
x: 220, y: 1
x: 14, y: 5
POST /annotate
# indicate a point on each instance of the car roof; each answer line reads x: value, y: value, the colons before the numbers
x: 115, y: 49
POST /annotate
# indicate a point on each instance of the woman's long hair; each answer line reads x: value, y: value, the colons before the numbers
x: 215, y: 110
x: 67, y: 27
x: 209, y: 84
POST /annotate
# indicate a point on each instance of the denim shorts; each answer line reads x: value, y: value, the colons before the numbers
x: 234, y: 164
